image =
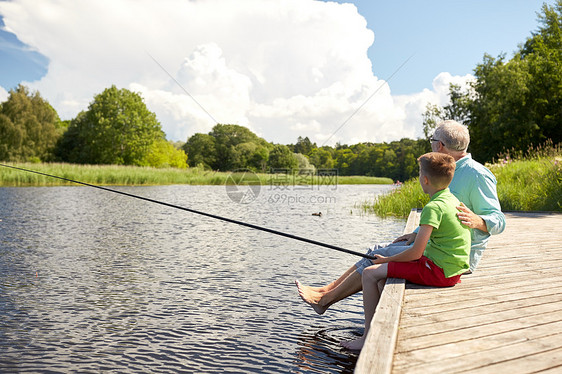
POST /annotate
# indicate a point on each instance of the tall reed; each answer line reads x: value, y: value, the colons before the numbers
x: 400, y: 201
x: 527, y: 181
x: 531, y: 180
x: 135, y: 175
x: 105, y: 175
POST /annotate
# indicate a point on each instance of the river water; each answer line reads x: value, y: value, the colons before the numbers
x: 92, y: 281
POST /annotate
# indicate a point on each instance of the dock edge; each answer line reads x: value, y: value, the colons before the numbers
x: 378, y: 352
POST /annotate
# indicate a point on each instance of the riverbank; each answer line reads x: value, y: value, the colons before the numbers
x: 114, y: 175
x: 531, y: 183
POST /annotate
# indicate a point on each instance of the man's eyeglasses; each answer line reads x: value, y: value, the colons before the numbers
x: 434, y: 140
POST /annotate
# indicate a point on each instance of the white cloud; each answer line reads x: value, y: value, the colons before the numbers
x: 413, y: 106
x: 3, y: 94
x: 283, y: 68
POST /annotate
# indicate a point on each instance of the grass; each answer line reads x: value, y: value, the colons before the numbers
x: 359, y: 179
x: 104, y: 175
x: 143, y: 176
x: 398, y: 202
x: 530, y: 181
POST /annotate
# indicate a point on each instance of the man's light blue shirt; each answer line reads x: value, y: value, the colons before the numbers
x: 475, y: 186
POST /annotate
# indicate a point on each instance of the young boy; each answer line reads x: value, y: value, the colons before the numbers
x: 440, y: 253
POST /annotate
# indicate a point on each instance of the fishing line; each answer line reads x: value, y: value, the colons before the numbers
x: 184, y: 90
x: 271, y: 231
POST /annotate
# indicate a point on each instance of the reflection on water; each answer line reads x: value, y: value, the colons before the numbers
x: 92, y: 281
x: 319, y: 349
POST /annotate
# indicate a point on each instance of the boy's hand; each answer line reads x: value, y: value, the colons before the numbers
x: 408, y: 238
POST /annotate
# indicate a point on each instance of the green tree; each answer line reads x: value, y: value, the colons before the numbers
x: 345, y: 161
x: 303, y: 162
x: 29, y: 127
x: 249, y: 155
x: 362, y: 164
x: 514, y: 104
x: 227, y: 137
x: 228, y: 147
x: 322, y: 158
x: 304, y: 145
x: 457, y: 109
x: 163, y: 154
x: 200, y: 149
x: 409, y: 167
x: 117, y: 129
x: 501, y: 116
x: 543, y: 53
x: 281, y: 157
x: 431, y: 117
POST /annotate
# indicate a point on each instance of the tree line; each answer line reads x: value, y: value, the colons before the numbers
x: 229, y: 147
x: 117, y: 128
x: 513, y: 104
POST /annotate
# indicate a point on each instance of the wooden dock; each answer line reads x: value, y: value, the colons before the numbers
x: 504, y: 318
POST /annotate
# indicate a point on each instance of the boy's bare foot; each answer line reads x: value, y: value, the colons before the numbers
x: 354, y: 345
x: 317, y: 289
x: 311, y: 297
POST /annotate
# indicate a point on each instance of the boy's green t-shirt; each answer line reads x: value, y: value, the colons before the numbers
x: 449, y: 243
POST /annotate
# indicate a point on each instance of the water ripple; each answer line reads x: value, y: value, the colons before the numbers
x: 91, y: 283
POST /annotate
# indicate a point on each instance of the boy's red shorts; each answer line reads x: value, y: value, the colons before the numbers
x: 422, y: 271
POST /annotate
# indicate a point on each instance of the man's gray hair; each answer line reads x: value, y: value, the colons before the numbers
x: 453, y: 135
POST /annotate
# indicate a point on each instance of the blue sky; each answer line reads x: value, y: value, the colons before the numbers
x: 282, y: 68
x: 442, y: 35
x: 16, y: 63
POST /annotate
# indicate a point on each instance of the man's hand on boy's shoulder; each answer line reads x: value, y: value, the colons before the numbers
x: 471, y: 219
x: 407, y: 238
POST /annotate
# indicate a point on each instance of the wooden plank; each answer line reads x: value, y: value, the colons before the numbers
x: 531, y: 363
x: 481, y: 354
x: 432, y: 338
x: 492, y: 290
x: 461, y: 302
x: 492, y: 286
x: 476, y: 346
x: 503, y: 318
x: 477, y: 320
x: 472, y: 296
x: 376, y: 356
x: 413, y: 221
x: 378, y: 352
x: 553, y: 370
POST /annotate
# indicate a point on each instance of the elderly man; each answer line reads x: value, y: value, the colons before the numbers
x: 473, y: 184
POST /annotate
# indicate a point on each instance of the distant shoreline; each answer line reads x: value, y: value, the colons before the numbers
x: 119, y: 175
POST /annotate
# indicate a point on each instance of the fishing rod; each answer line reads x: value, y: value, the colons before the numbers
x: 256, y: 227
